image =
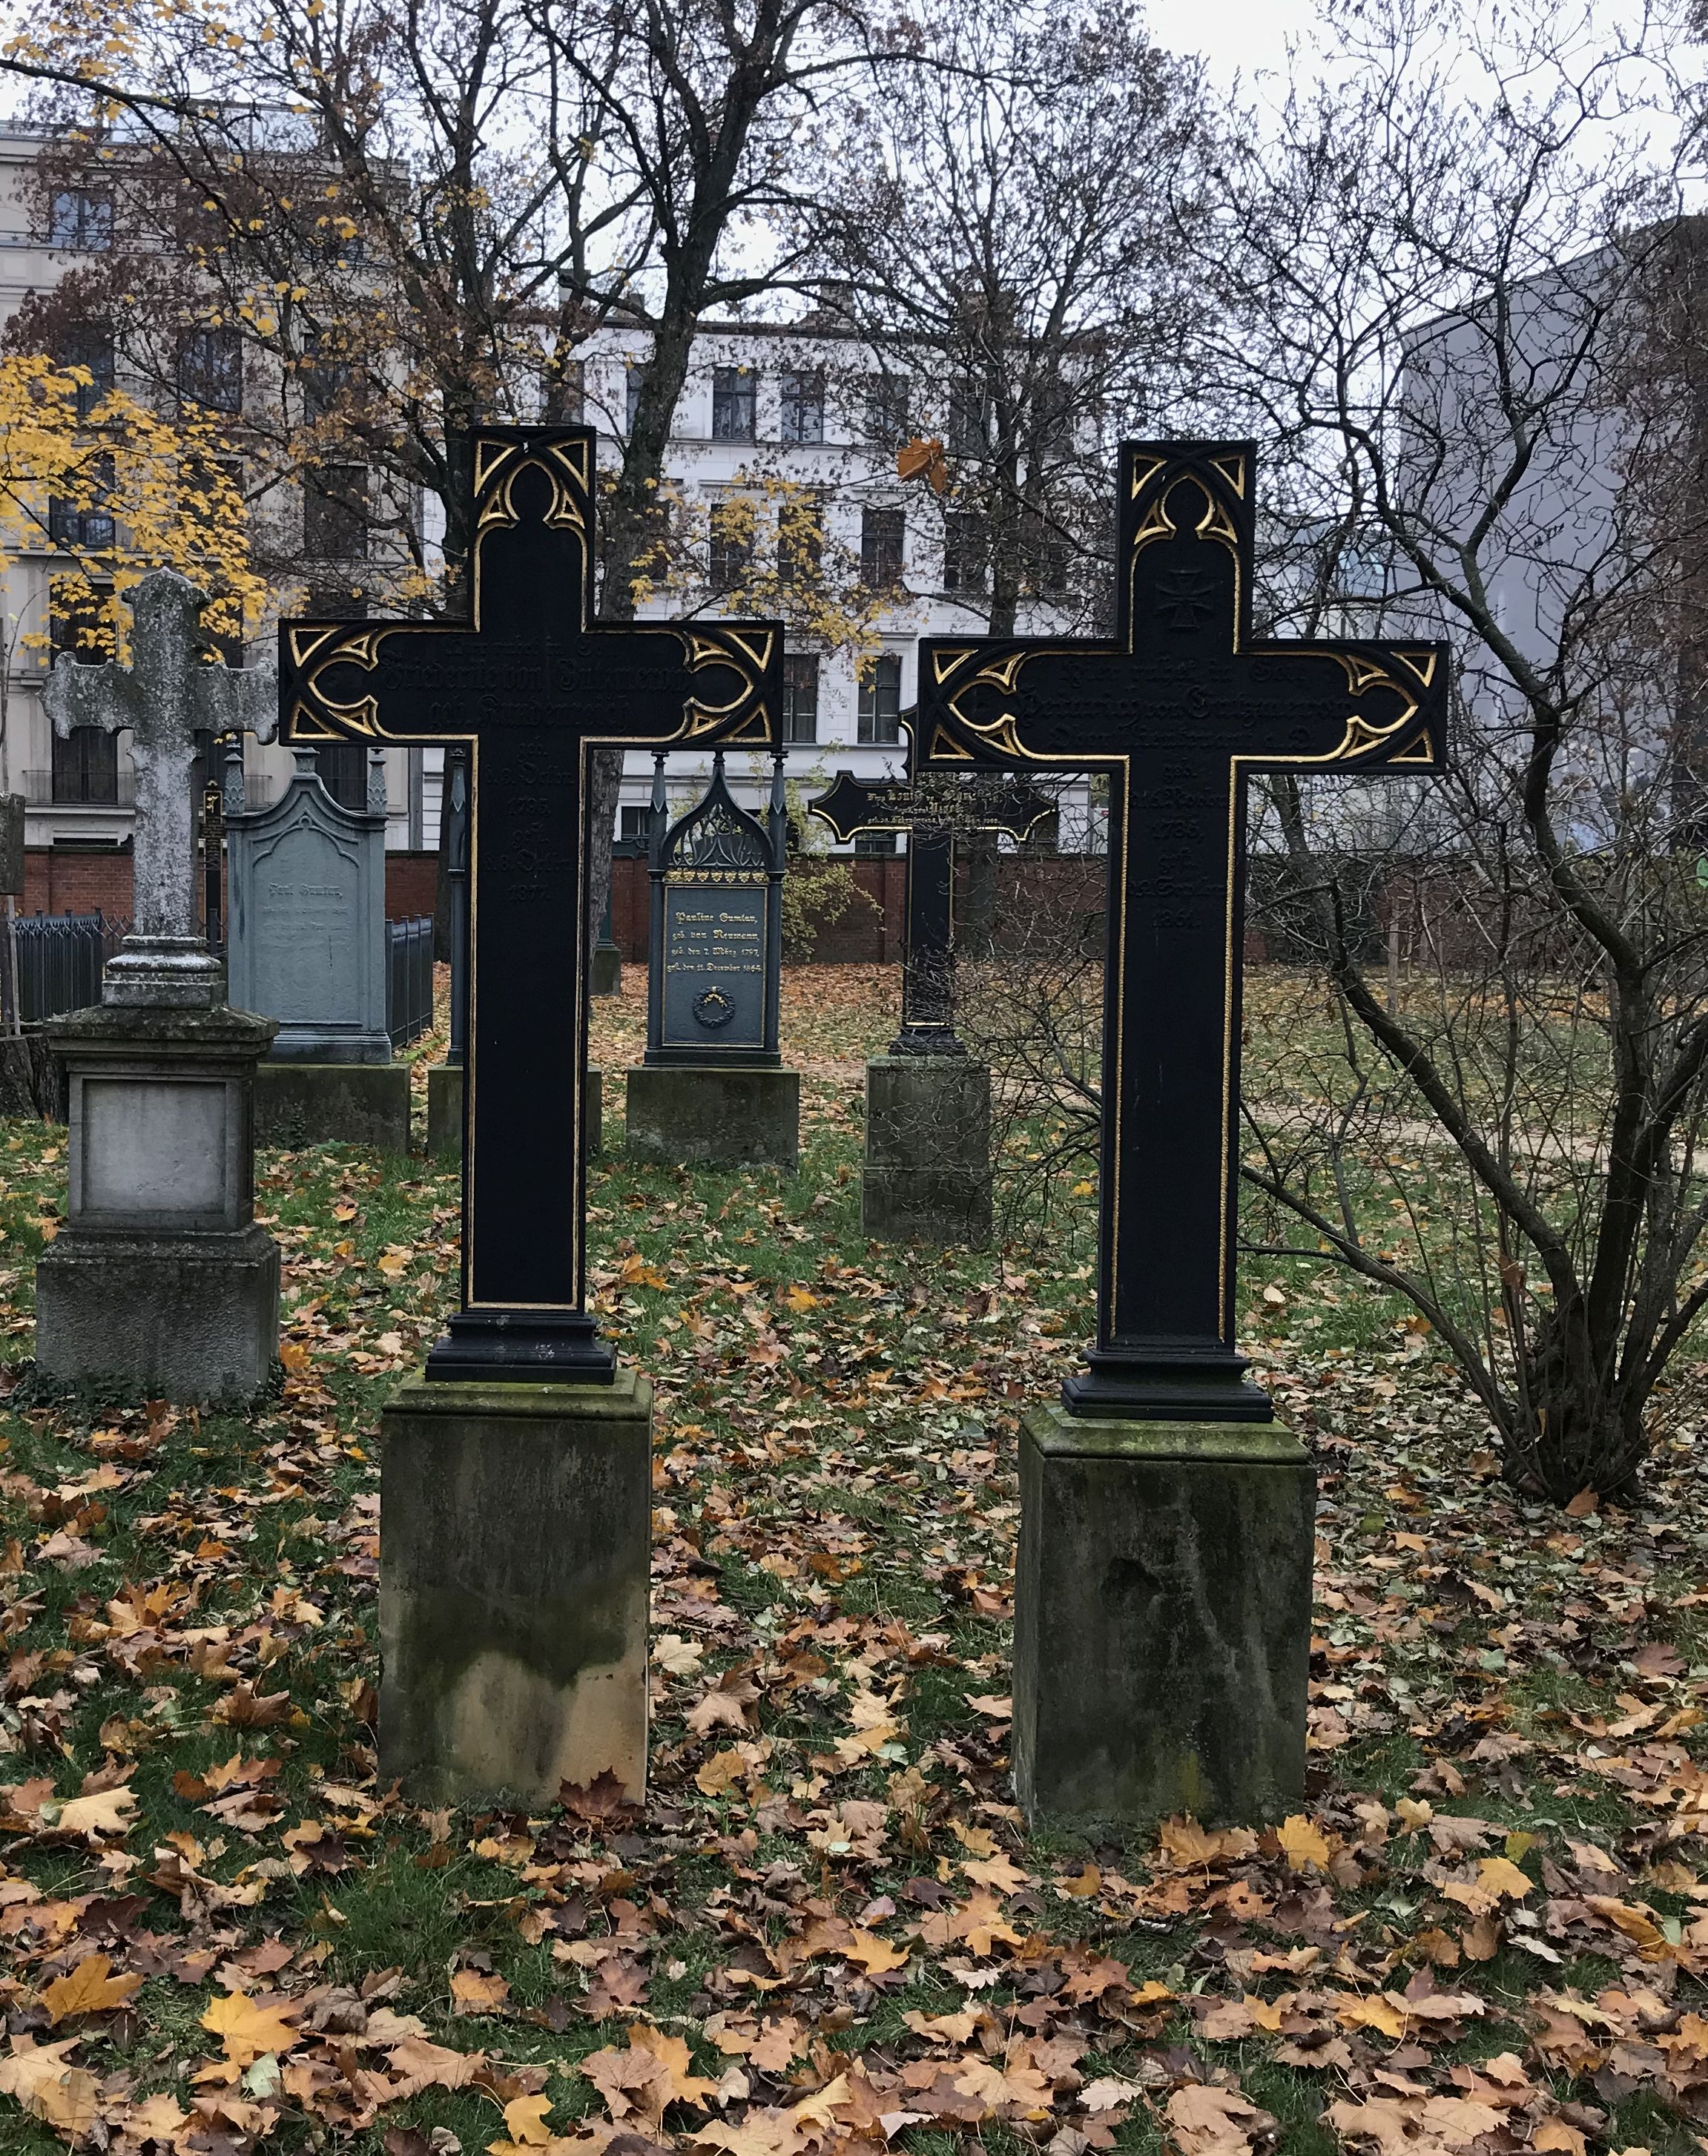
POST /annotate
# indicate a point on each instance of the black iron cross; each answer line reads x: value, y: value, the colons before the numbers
x: 930, y: 807
x: 534, y: 684
x: 1176, y: 709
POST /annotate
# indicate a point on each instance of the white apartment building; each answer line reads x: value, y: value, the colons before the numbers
x: 768, y: 413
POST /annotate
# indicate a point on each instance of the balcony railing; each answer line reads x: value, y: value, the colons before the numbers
x: 48, y: 789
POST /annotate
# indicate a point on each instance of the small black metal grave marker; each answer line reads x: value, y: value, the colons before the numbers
x: 535, y: 685
x: 716, y: 927
x: 1177, y: 709
x: 931, y: 807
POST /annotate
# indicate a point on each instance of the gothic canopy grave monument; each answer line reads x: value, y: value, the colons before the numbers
x: 516, y: 1476
x: 1162, y: 1599
x: 307, y: 879
x: 711, y: 1087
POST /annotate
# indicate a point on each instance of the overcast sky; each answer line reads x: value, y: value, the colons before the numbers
x: 1233, y: 36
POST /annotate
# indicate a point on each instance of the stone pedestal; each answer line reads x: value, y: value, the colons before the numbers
x: 608, y: 970
x: 704, y: 1115
x: 514, y: 1554
x: 927, y: 1175
x: 161, y: 1279
x: 444, y: 1110
x: 1161, y: 1620
x: 298, y: 1104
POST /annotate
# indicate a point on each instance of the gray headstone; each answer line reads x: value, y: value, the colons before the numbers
x: 308, y: 922
x: 170, y: 694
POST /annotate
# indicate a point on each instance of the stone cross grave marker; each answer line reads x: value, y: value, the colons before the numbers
x: 535, y: 685
x: 170, y: 693
x: 716, y: 927
x: 1162, y: 1582
x: 931, y: 807
x: 1176, y: 709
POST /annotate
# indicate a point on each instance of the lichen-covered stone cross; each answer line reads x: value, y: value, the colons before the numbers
x: 168, y: 694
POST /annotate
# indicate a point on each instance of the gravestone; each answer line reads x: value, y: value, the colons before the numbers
x: 928, y: 1171
x: 711, y: 1088
x: 516, y: 1479
x: 307, y: 881
x: 1163, y: 1587
x: 161, y: 1278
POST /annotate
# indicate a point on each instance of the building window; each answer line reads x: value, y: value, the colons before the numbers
x: 880, y: 703
x: 731, y: 549
x: 882, y: 534
x: 325, y: 379
x: 92, y: 350
x: 342, y: 767
x: 635, y: 383
x: 335, y: 513
x: 732, y: 389
x: 1047, y: 559
x: 85, y: 525
x: 211, y: 370
x: 77, y: 621
x: 800, y: 540
x: 803, y: 405
x: 570, y: 392
x: 86, y: 766
x: 335, y: 602
x: 967, y: 420
x: 800, y: 697
x: 636, y: 825
x: 874, y: 842
x: 963, y: 552
x: 886, y: 411
x: 80, y: 219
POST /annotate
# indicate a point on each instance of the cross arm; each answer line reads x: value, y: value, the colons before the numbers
x: 851, y: 805
x: 234, y: 700
x: 77, y: 696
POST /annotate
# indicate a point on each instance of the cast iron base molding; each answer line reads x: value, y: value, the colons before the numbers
x: 550, y: 1347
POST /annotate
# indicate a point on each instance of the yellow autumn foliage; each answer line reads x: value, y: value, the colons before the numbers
x: 165, y: 485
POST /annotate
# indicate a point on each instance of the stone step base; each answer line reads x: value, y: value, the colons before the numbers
x: 700, y: 1115
x: 298, y: 1104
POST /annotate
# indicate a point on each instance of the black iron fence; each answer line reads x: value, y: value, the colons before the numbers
x: 408, y: 980
x: 59, y: 961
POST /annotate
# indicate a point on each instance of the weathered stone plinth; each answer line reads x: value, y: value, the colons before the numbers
x: 444, y: 1110
x: 1161, y: 1620
x: 704, y: 1115
x: 298, y: 1104
x: 927, y: 1175
x: 160, y: 1280
x: 515, y: 1549
x: 608, y: 970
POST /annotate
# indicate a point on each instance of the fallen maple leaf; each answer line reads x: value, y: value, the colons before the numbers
x: 90, y: 1988
x: 65, y: 2096
x: 1302, y: 1843
x: 602, y: 1799
x: 249, y: 2031
x: 525, y: 2120
x: 1215, y: 2122
x: 108, y: 1811
x: 474, y: 1992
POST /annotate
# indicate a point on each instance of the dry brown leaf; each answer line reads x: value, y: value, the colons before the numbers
x: 90, y: 1988
x: 1215, y: 2122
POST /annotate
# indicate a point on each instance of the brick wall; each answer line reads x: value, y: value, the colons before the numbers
x: 61, y: 879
